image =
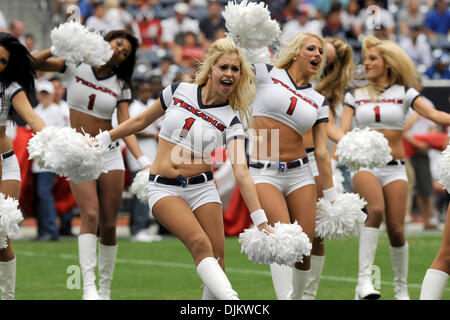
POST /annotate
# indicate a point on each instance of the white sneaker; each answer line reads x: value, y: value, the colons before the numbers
x: 145, y: 236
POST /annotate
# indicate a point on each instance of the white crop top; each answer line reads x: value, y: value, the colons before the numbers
x: 196, y: 127
x: 278, y: 97
x: 88, y: 93
x: 387, y: 112
x: 6, y: 101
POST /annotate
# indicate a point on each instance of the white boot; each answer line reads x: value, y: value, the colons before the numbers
x: 106, y: 262
x: 8, y: 279
x: 368, y: 241
x: 399, y: 261
x: 433, y: 285
x: 299, y: 279
x: 207, y: 294
x: 282, y: 280
x: 313, y: 280
x: 215, y: 279
x: 87, y: 251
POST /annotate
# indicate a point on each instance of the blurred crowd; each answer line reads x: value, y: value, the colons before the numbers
x: 174, y: 36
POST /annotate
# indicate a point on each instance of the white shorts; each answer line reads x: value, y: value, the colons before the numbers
x: 312, y: 162
x: 389, y: 173
x: 287, y: 181
x: 195, y: 195
x: 10, y: 166
x: 114, y: 158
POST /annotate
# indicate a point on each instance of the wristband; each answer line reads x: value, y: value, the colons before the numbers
x: 143, y: 161
x: 258, y: 217
x: 330, y: 194
x: 333, y: 164
x: 103, y: 138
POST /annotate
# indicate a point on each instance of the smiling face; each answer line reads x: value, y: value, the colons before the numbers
x: 374, y: 65
x: 310, y: 56
x: 122, y: 49
x: 4, y: 58
x: 225, y: 74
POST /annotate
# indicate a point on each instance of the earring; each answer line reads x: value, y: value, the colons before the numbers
x: 295, y: 58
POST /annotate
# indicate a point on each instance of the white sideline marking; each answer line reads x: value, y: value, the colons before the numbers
x: 191, y: 266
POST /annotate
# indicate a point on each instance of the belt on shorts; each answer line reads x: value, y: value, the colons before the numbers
x: 8, y: 154
x: 396, y: 162
x: 183, y: 182
x: 282, y: 166
x: 308, y: 150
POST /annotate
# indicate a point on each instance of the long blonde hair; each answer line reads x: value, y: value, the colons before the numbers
x: 243, y: 94
x: 401, y: 70
x: 338, y: 74
x: 288, y: 51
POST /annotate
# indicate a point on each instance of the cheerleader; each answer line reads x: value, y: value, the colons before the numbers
x: 17, y: 87
x: 198, y: 118
x: 285, y: 108
x: 93, y: 93
x: 382, y: 105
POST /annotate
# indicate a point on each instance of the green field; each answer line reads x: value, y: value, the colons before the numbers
x: 165, y: 271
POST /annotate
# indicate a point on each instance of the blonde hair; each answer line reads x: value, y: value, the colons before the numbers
x: 243, y: 94
x: 288, y: 51
x: 401, y: 70
x: 338, y: 74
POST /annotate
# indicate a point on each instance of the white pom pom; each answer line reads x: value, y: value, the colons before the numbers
x: 260, y: 55
x: 139, y: 187
x: 343, y: 218
x: 75, y: 43
x: 286, y: 246
x: 338, y: 180
x: 250, y: 25
x: 364, y: 148
x: 65, y: 152
x: 444, y: 168
x: 10, y: 217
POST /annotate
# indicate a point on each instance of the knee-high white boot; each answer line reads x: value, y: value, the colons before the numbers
x: 282, y: 280
x: 433, y: 285
x: 106, y: 263
x: 399, y: 261
x: 313, y: 280
x: 368, y: 241
x: 207, y: 294
x: 299, y: 279
x: 87, y: 251
x: 8, y: 279
x: 215, y: 279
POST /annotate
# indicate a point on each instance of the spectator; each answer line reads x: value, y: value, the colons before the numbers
x: 147, y: 93
x: 440, y: 68
x: 333, y: 23
x: 288, y: 12
x: 147, y: 28
x: 98, y: 21
x: 30, y: 42
x: 410, y: 18
x: 173, y: 28
x: 65, y: 223
x: 52, y: 115
x: 190, y: 53
x: 211, y: 23
x: 17, y: 29
x: 86, y: 9
x: 301, y: 24
x: 352, y: 24
x: 167, y: 70
x: 118, y: 16
x: 437, y: 23
x: 417, y: 47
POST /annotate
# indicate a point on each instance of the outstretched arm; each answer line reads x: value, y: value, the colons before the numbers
x: 44, y: 61
x: 25, y: 110
x: 427, y: 111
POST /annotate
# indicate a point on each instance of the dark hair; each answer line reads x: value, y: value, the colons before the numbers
x: 125, y: 70
x: 19, y: 68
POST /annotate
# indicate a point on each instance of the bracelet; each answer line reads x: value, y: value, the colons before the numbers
x: 103, y: 138
x: 330, y: 194
x: 258, y: 217
x: 143, y: 161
